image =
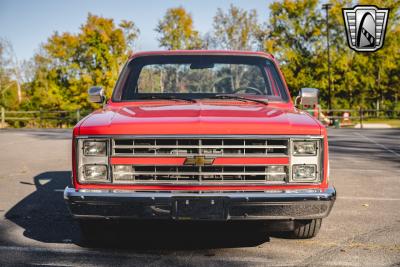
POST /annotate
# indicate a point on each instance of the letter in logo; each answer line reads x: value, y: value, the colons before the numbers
x: 365, y: 27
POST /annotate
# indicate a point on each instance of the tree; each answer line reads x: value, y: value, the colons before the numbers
x: 131, y: 32
x: 368, y: 80
x: 176, y: 30
x: 68, y: 64
x: 383, y: 66
x: 296, y: 36
x: 10, y: 77
x: 236, y: 29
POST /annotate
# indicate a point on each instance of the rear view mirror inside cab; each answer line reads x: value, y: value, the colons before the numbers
x: 201, y: 65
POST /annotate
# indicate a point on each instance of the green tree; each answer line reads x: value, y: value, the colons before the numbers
x: 68, y: 64
x: 367, y: 80
x: 383, y: 66
x: 295, y: 38
x: 296, y: 35
x: 236, y: 29
x: 176, y: 30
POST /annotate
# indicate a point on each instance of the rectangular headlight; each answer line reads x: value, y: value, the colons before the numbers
x: 93, y: 172
x: 95, y: 148
x: 304, y: 148
x: 304, y: 173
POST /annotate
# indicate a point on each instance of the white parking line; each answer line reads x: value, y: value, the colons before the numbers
x: 39, y: 249
x: 380, y: 145
x: 58, y: 190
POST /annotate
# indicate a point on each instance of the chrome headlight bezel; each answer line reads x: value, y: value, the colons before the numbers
x: 300, y: 159
x: 91, y: 159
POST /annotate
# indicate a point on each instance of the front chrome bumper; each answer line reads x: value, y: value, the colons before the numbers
x: 267, y: 205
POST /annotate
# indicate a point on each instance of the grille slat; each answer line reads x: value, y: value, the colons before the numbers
x: 203, y: 146
x: 172, y: 174
x: 200, y: 146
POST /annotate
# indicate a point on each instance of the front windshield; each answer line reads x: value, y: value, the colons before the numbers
x: 200, y: 77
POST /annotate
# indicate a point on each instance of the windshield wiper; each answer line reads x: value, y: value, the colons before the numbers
x: 168, y: 97
x: 240, y: 98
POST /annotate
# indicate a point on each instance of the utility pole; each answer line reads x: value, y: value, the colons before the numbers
x: 327, y: 7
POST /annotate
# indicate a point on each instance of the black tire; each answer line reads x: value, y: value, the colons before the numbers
x: 306, y: 229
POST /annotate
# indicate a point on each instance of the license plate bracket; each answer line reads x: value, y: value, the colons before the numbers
x: 199, y: 208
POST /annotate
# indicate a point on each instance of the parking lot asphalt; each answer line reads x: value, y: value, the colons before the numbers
x: 362, y: 230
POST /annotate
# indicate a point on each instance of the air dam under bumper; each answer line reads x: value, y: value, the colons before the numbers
x: 267, y: 205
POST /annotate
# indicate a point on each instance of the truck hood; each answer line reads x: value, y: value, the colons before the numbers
x: 200, y: 118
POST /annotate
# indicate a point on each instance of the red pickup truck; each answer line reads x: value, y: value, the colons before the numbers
x: 202, y: 135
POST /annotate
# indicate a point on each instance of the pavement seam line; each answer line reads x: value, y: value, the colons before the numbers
x: 378, y: 144
x: 368, y: 198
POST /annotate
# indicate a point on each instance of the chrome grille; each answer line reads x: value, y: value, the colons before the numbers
x: 196, y: 174
x: 251, y: 147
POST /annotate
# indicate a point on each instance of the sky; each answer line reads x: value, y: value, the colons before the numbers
x: 28, y: 23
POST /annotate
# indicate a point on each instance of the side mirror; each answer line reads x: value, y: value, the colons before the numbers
x: 96, y: 94
x: 307, y: 96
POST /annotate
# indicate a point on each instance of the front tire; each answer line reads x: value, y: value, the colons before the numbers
x: 305, y: 229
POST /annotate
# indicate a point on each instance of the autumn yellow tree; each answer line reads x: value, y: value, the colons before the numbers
x: 176, y: 30
x: 68, y: 64
x: 235, y: 29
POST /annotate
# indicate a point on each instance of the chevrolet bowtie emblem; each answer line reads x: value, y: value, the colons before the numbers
x: 198, y: 161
